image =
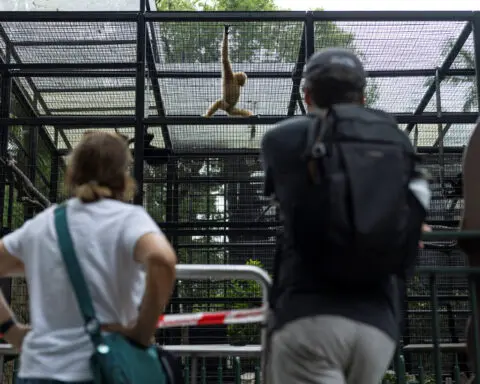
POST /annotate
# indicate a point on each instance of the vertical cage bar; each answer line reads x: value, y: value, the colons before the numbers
x: 32, y: 162
x: 437, y: 358
x: 140, y: 106
x: 11, y: 201
x: 171, y: 216
x: 476, y: 44
x: 54, y: 173
x: 5, y: 104
x: 297, y: 74
x: 438, y: 100
x: 309, y: 35
x: 475, y: 326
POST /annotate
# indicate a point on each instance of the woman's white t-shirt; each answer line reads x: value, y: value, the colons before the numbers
x: 104, y: 234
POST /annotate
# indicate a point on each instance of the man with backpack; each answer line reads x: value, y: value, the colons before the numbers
x: 353, y: 201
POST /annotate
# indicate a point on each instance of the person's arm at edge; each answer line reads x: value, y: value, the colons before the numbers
x: 420, y: 188
x: 268, y: 185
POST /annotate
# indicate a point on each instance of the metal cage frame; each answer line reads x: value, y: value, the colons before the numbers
x: 145, y: 73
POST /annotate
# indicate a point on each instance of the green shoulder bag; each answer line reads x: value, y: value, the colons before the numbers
x: 116, y: 360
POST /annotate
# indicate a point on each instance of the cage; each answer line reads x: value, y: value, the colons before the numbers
x: 151, y: 75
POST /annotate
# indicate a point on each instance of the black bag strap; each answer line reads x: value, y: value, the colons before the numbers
x: 316, y: 147
x: 75, y: 273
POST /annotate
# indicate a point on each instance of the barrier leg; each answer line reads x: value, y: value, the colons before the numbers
x: 193, y: 370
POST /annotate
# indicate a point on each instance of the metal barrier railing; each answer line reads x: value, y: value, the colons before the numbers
x: 210, y: 272
x: 227, y: 272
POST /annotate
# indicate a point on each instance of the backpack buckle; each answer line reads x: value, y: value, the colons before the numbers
x: 319, y: 150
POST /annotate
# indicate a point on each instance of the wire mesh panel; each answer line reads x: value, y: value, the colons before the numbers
x: 73, y: 42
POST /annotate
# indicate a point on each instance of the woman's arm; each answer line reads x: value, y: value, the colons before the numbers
x: 157, y: 255
x: 10, y: 266
x: 13, y: 332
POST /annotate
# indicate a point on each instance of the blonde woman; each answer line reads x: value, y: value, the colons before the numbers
x: 128, y: 263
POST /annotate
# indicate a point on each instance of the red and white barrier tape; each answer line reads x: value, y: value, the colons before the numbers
x: 244, y: 316
x: 238, y: 316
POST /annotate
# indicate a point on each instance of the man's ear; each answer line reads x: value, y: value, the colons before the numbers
x: 307, y: 97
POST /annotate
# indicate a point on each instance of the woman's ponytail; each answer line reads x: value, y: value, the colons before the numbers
x: 92, y: 191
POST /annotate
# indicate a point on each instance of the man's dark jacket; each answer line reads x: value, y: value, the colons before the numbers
x: 297, y: 291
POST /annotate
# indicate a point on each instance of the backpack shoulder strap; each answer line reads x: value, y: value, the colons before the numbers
x: 75, y: 274
x: 315, y: 147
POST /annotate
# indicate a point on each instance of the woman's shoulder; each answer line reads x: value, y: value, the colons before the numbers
x: 125, y: 209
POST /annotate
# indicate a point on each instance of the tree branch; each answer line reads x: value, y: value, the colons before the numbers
x: 38, y: 198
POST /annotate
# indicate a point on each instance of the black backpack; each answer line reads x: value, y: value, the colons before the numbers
x: 357, y: 220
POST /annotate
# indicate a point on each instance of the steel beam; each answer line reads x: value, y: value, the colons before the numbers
x: 476, y: 45
x: 279, y: 16
x: 68, y: 43
x: 153, y: 37
x: 74, y: 122
x: 88, y: 89
x: 402, y: 118
x: 75, y: 73
x: 92, y: 121
x: 452, y: 55
x: 297, y: 74
x: 139, y: 140
x: 71, y: 111
x: 225, y: 16
x: 65, y: 66
x: 309, y: 35
x: 156, y: 91
x: 5, y: 104
x: 216, y: 74
x: 242, y: 16
x: 69, y: 16
x: 228, y: 152
x: 444, y: 132
x: 218, y: 225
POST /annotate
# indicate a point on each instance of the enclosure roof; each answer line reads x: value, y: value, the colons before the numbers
x: 188, y: 70
x: 62, y: 5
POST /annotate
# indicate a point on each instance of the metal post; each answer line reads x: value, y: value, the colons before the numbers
x: 297, y: 74
x: 5, y: 97
x: 55, y: 170
x: 156, y: 90
x: 171, y: 208
x: 309, y: 35
x: 5, y: 105
x: 5, y: 101
x: 140, y: 104
x: 31, y: 161
x: 194, y: 370
x: 476, y: 44
x: 441, y: 158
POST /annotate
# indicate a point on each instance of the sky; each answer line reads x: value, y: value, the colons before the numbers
x: 377, y: 5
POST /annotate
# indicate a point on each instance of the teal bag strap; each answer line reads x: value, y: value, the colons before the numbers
x: 76, y: 276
